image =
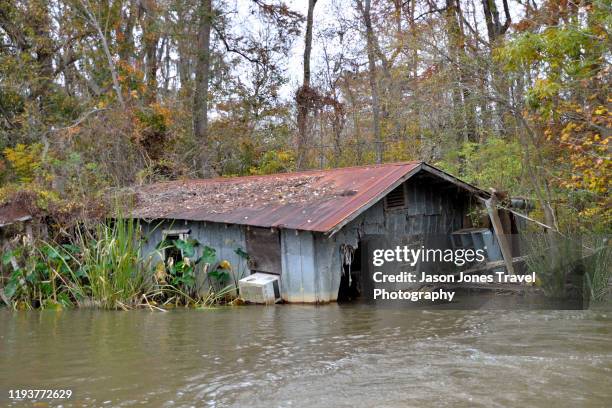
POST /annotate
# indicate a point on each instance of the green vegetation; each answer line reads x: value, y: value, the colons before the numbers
x: 495, y: 163
x: 599, y: 270
x: 553, y: 258
x: 103, y: 266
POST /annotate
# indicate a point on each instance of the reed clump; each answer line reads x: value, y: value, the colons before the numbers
x: 103, y: 266
x: 553, y: 257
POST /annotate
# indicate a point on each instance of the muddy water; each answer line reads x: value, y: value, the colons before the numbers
x: 303, y: 356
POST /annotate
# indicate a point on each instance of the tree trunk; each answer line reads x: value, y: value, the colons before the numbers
x: 464, y: 122
x: 355, y: 116
x: 93, y: 20
x: 304, y: 95
x: 125, y: 42
x: 496, y: 31
x: 151, y: 38
x: 40, y: 24
x: 200, y: 102
x: 371, y: 51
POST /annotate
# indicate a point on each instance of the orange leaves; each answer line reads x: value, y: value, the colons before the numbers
x: 131, y: 79
x: 151, y: 128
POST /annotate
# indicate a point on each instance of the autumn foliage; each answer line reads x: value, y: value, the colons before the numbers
x: 513, y: 96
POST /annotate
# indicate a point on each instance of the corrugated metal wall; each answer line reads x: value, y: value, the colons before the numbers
x: 299, y: 279
x: 225, y: 239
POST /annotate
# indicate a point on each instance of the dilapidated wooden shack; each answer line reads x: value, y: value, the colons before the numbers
x: 307, y: 226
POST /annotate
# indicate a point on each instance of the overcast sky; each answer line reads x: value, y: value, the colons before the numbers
x: 325, y: 16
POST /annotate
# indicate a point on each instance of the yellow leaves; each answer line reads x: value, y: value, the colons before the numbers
x: 548, y: 134
x: 154, y: 118
x: 25, y: 160
x: 585, y: 150
x: 160, y: 273
x: 224, y: 264
x: 274, y: 161
x: 600, y: 110
x: 46, y: 197
x: 546, y: 88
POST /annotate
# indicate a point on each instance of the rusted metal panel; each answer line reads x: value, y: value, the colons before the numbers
x: 13, y: 212
x: 318, y: 200
x: 264, y: 248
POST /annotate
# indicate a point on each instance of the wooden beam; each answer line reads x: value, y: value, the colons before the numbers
x: 454, y: 180
x: 498, y: 229
x: 491, y: 265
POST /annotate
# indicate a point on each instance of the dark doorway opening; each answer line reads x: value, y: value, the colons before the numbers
x: 171, y: 251
x: 350, y: 282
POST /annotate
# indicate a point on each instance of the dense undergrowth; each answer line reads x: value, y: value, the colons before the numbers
x: 104, y: 266
x: 554, y: 257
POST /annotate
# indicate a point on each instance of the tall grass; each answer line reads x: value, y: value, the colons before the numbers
x: 552, y: 257
x: 112, y: 260
x: 102, y: 266
x: 598, y: 268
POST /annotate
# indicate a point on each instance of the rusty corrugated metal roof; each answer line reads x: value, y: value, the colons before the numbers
x: 317, y: 200
x: 13, y: 212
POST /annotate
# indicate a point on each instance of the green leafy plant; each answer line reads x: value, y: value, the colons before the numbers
x: 40, y: 277
x: 598, y: 267
x: 494, y: 163
x: 182, y: 272
x: 103, y: 265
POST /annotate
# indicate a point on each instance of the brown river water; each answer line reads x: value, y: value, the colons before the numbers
x: 306, y: 356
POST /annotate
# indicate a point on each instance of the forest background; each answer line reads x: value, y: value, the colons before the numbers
x: 100, y: 95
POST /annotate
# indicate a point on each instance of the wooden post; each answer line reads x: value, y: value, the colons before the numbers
x: 498, y: 229
x: 29, y: 232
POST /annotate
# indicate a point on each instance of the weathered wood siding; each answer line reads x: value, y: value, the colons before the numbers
x: 430, y: 213
x: 429, y: 209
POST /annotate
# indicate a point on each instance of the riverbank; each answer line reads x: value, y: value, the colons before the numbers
x: 334, y: 355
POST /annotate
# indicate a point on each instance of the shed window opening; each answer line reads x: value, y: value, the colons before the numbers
x: 396, y: 199
x: 264, y: 249
x: 170, y: 249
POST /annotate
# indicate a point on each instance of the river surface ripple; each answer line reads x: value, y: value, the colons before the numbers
x: 306, y: 356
